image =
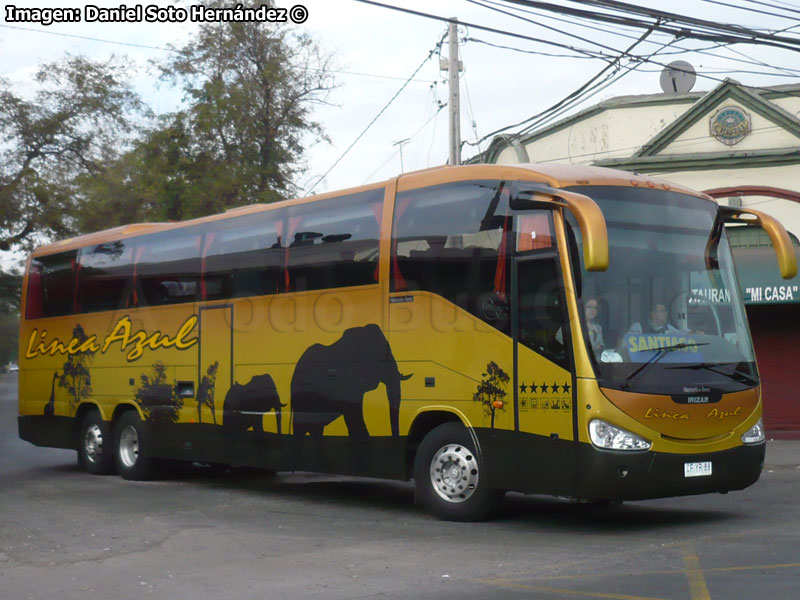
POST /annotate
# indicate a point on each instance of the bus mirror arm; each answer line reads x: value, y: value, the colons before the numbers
x: 589, y: 216
x: 776, y: 232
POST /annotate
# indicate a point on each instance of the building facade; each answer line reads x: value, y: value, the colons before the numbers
x: 741, y: 145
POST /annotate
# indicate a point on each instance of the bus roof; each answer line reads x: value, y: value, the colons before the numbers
x: 555, y: 175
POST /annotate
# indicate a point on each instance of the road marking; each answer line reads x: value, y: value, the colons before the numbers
x: 694, y: 573
x: 664, y: 572
x: 510, y: 585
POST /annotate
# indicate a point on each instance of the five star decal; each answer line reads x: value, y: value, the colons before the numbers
x: 544, y: 388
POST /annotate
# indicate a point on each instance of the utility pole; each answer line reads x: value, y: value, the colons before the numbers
x: 400, y: 143
x: 455, y: 112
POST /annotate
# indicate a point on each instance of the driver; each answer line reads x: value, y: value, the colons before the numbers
x: 659, y: 322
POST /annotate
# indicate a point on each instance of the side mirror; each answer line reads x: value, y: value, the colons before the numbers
x: 589, y: 216
x: 776, y: 232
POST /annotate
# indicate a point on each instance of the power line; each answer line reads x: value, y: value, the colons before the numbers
x: 474, y: 122
x: 752, y: 10
x: 549, y: 27
x: 680, y: 49
x: 589, y: 93
x: 741, y: 33
x: 173, y: 50
x: 685, y: 33
x: 92, y: 39
x: 371, y: 123
x: 572, y: 95
x: 418, y: 13
x: 408, y: 139
x: 791, y: 7
x: 533, y: 52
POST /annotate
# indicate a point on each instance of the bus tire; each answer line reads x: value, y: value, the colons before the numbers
x: 130, y: 448
x: 95, y: 445
x: 448, y: 478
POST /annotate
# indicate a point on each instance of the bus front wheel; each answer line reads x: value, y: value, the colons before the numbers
x: 95, y: 453
x: 448, y: 478
x: 130, y: 443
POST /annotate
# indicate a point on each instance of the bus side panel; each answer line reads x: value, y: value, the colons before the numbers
x: 102, y: 359
x: 449, y: 353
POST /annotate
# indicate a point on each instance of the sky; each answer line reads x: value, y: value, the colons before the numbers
x: 376, y: 50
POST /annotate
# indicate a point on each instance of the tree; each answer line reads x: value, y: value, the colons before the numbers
x: 10, y: 286
x: 10, y: 289
x: 76, y: 377
x: 205, y: 392
x: 9, y: 339
x: 157, y: 397
x: 490, y: 392
x: 74, y: 122
x: 249, y: 89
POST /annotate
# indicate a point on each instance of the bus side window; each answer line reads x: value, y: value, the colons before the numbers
x: 451, y: 240
x: 333, y: 243
x: 105, y: 277
x: 34, y: 299
x: 56, y: 283
x: 167, y: 268
x: 242, y: 257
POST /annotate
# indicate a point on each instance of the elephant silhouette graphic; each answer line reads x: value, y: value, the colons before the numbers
x: 245, y: 405
x: 330, y: 381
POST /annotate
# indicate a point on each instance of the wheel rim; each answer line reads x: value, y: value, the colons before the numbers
x: 93, y: 443
x: 129, y: 446
x: 454, y: 473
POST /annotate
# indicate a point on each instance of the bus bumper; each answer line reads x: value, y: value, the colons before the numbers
x: 538, y: 465
x: 607, y: 475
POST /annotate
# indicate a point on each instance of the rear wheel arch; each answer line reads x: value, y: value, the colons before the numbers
x: 120, y: 409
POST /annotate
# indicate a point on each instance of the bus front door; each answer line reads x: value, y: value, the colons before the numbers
x: 543, y: 378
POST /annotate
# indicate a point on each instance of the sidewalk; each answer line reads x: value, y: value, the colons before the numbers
x: 783, y: 453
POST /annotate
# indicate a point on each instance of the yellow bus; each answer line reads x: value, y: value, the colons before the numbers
x: 545, y: 329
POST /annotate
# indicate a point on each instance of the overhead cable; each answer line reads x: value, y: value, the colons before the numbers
x: 575, y: 93
x: 386, y: 106
x: 705, y: 30
x: 530, y: 38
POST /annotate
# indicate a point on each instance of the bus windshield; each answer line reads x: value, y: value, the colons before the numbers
x: 667, y: 316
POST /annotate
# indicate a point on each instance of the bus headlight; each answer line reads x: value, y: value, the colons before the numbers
x: 754, y: 435
x: 609, y: 437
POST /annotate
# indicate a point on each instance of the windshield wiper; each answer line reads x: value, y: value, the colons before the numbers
x: 736, y: 375
x: 661, y: 352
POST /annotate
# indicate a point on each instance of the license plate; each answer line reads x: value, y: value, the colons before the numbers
x: 697, y: 469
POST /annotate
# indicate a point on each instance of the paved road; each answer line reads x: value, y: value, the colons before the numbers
x: 68, y: 535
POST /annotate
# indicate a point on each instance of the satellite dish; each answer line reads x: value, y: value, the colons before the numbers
x: 678, y: 77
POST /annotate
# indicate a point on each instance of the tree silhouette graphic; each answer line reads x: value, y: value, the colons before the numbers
x: 157, y: 397
x: 205, y: 392
x: 490, y: 391
x: 76, y: 377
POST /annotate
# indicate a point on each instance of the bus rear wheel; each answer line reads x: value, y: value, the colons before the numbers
x: 448, y: 477
x: 130, y: 444
x: 95, y: 453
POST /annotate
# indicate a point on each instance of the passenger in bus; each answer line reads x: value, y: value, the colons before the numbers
x: 593, y: 327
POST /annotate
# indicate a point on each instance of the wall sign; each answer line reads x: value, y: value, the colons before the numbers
x: 730, y: 125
